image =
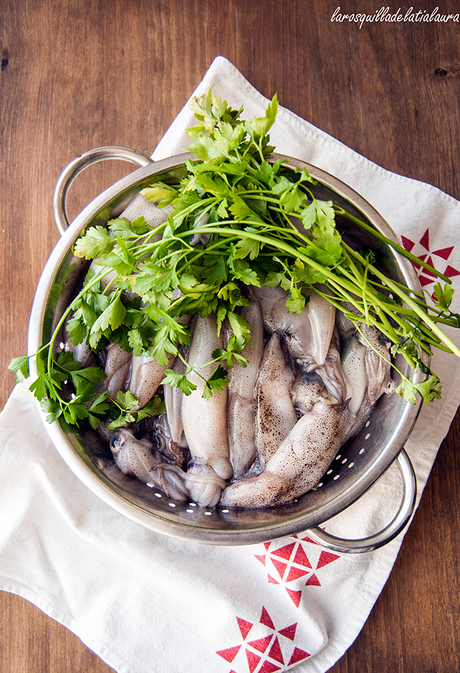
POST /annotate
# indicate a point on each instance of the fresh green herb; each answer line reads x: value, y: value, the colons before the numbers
x: 125, y: 402
x: 238, y: 219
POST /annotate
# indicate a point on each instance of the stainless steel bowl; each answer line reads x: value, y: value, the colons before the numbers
x: 361, y: 463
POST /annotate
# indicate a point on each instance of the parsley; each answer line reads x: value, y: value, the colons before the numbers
x: 125, y: 402
x: 237, y: 219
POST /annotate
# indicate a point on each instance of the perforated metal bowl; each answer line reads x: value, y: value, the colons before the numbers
x: 354, y: 471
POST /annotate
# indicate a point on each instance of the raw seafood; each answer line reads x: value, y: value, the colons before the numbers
x: 271, y: 435
x: 205, y: 420
x: 137, y: 457
x: 275, y: 413
x: 241, y: 403
x: 298, y: 463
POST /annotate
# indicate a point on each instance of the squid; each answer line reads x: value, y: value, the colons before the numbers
x: 299, y: 462
x: 205, y: 420
x: 378, y: 365
x: 275, y: 413
x: 308, y: 332
x: 139, y: 458
x: 330, y: 371
x: 271, y: 435
x: 117, y: 365
x: 139, y: 374
x: 144, y: 377
x: 354, y: 368
x: 241, y: 407
x: 327, y: 421
x: 173, y: 398
x: 366, y: 367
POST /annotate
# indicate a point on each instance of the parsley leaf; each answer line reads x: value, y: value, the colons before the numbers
x: 96, y: 241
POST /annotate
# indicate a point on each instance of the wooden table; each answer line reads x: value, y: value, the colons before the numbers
x: 77, y: 74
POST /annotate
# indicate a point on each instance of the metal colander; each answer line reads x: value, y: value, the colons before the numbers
x: 355, y: 469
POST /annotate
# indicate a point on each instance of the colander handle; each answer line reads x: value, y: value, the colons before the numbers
x: 79, y: 164
x: 381, y: 538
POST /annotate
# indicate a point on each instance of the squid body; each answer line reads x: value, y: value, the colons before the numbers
x: 312, y: 380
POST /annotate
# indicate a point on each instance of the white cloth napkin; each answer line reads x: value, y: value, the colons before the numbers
x: 145, y: 602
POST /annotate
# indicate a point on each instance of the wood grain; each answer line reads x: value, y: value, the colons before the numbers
x: 78, y: 74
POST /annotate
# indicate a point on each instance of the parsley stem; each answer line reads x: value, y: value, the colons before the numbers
x: 96, y: 278
x: 393, y: 287
x: 391, y: 243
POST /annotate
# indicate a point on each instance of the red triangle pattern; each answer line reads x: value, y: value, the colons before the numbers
x: 298, y: 655
x: 431, y: 263
x: 407, y: 243
x: 284, y: 552
x: 444, y: 253
x: 450, y: 272
x: 280, y: 566
x: 423, y: 258
x: 253, y: 660
x: 275, y: 652
x: 271, y: 580
x: 244, y: 626
x: 425, y: 281
x: 289, y: 631
x: 262, y: 558
x: 425, y: 240
x: 261, y: 644
x: 271, y: 657
x: 267, y: 545
x: 313, y: 581
x: 308, y: 539
x: 295, y: 573
x: 301, y: 558
x: 268, y: 667
x: 230, y: 653
x: 266, y: 620
x: 325, y: 558
x: 295, y: 596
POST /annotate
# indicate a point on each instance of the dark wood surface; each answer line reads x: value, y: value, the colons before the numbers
x: 77, y: 74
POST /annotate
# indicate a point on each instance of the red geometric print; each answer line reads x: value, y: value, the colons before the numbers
x: 296, y: 570
x: 450, y: 272
x: 270, y: 652
x: 266, y: 619
x: 245, y: 627
x: 253, y: 660
x: 325, y: 558
x: 262, y: 644
x: 425, y: 240
x: 423, y: 252
x: 281, y: 567
x: 268, y: 667
x: 284, y: 552
x: 295, y: 573
x: 297, y: 655
x: 275, y: 652
x: 289, y: 631
x: 301, y: 558
x: 295, y: 596
x: 229, y: 654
